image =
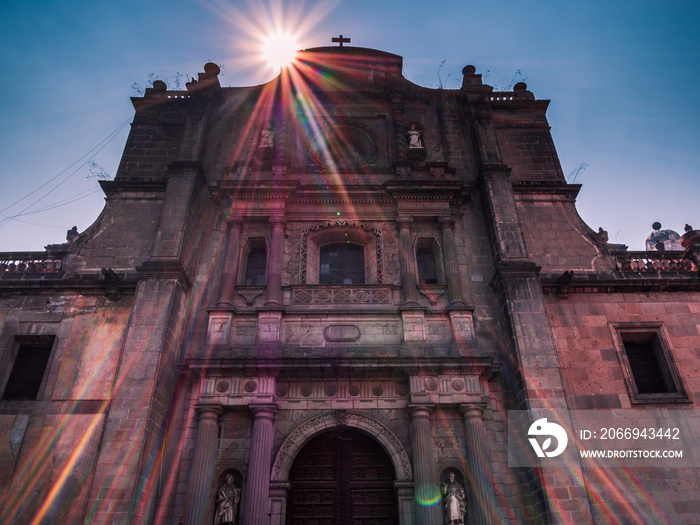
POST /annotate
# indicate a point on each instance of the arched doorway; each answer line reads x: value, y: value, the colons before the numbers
x: 342, y: 477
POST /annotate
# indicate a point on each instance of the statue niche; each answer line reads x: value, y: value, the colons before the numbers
x: 228, y: 496
x: 454, y: 497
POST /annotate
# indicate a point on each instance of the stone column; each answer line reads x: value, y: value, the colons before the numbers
x: 199, y: 495
x: 407, y: 262
x: 227, y: 288
x: 427, y: 493
x: 449, y: 251
x: 274, y: 268
x: 255, y: 505
x: 479, y: 472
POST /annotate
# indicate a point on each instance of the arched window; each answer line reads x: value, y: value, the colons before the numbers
x: 256, y: 263
x: 342, y: 263
x: 350, y: 252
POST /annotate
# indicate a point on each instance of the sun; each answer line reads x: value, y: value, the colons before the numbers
x: 279, y: 50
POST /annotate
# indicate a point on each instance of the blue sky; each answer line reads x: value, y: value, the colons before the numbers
x: 622, y: 77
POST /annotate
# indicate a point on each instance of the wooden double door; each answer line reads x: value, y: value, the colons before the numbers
x: 342, y: 478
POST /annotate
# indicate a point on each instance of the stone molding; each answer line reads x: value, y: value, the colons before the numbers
x: 312, y: 427
x: 375, y: 232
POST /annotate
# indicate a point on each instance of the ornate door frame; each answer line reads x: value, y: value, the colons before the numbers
x: 279, y: 480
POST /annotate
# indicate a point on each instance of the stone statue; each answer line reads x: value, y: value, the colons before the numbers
x: 227, y: 499
x: 72, y: 234
x: 603, y: 235
x: 267, y: 138
x: 414, y: 138
x: 454, y: 500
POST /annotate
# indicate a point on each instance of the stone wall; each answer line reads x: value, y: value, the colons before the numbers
x: 555, y: 236
x: 49, y: 456
x: 584, y: 329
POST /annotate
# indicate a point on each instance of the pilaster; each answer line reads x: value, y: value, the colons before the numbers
x: 183, y: 179
x: 229, y: 268
x: 142, y: 391
x: 274, y: 269
x: 407, y: 262
x: 452, y: 273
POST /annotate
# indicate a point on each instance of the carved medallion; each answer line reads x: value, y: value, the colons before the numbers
x: 331, y: 389
x: 281, y: 389
x: 306, y: 390
x: 250, y: 386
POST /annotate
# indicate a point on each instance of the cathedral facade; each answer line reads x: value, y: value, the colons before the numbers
x: 316, y: 301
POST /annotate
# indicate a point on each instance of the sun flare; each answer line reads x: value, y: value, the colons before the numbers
x: 279, y: 50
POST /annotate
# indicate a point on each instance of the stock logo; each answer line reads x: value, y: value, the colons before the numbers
x: 541, y: 428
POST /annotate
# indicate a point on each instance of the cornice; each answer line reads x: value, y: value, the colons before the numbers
x: 133, y: 185
x: 166, y: 269
x: 343, y: 367
x: 535, y: 187
x: 618, y: 282
x: 85, y: 284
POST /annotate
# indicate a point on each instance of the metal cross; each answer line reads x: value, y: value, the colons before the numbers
x: 340, y: 40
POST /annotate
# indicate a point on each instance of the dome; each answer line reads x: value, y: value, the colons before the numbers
x: 663, y: 240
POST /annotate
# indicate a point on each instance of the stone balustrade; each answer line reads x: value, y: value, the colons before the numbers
x: 647, y: 262
x: 502, y: 95
x: 29, y: 262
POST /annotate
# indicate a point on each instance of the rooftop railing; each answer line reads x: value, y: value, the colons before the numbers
x: 654, y: 262
x: 502, y: 95
x: 30, y: 262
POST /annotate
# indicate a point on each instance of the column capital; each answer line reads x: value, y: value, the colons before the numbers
x: 208, y: 412
x: 422, y: 411
x: 235, y: 223
x: 472, y: 411
x: 264, y: 411
x: 277, y: 220
x: 447, y: 222
x: 404, y: 220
